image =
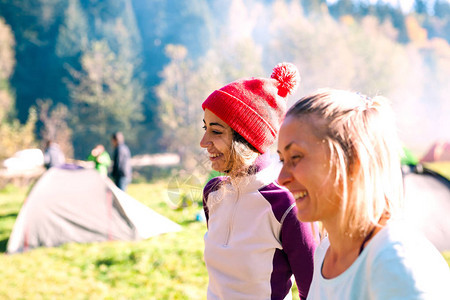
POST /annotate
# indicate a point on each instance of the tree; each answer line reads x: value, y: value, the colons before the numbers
x: 35, y: 24
x: 357, y: 55
x: 434, y: 105
x: 442, y: 9
x: 313, y: 45
x: 73, y: 33
x: 115, y: 22
x: 440, y: 24
x: 416, y: 33
x: 7, y: 63
x: 106, y: 98
x: 420, y: 7
x: 313, y: 6
x: 54, y: 125
x: 164, y: 22
x: 398, y: 20
x: 13, y: 135
x: 185, y: 86
x: 342, y: 8
x: 177, y: 111
x: 378, y: 59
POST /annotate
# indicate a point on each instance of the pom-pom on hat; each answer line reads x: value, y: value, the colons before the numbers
x: 255, y: 107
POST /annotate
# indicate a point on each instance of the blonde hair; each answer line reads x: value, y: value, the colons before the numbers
x: 364, y: 154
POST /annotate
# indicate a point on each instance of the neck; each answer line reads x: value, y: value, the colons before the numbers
x: 340, y: 242
x: 343, y: 250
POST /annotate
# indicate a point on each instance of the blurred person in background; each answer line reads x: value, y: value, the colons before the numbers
x: 121, y: 169
x: 53, y: 155
x: 341, y: 161
x: 254, y: 243
x: 101, y: 159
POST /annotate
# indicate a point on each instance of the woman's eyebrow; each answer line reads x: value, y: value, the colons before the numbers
x: 286, y: 148
x: 216, y: 124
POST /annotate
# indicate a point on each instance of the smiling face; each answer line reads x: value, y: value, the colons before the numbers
x: 217, y: 141
x: 306, y: 168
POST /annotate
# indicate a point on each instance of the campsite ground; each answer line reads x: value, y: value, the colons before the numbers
x: 169, y: 266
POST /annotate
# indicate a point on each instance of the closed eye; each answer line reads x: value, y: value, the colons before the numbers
x: 295, y: 159
x: 292, y: 160
x: 212, y: 130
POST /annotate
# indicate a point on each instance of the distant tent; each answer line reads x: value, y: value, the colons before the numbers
x: 81, y: 206
x: 439, y: 151
x: 427, y: 204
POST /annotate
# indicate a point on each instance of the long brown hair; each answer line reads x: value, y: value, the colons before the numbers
x: 242, y: 157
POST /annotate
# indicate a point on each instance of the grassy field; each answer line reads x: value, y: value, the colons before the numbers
x: 169, y: 266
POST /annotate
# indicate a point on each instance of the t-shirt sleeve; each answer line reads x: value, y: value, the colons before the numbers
x: 411, y: 271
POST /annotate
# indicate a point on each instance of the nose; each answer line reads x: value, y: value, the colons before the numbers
x: 204, y: 142
x: 285, y: 176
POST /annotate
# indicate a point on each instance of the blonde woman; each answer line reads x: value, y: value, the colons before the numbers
x: 254, y: 243
x: 341, y: 161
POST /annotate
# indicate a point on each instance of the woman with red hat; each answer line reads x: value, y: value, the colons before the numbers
x: 254, y: 243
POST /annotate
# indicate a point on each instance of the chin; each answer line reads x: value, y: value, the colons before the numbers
x: 217, y: 169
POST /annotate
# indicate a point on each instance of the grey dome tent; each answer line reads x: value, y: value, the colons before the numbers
x: 427, y: 204
x: 79, y: 205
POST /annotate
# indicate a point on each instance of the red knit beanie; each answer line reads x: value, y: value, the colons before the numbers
x: 255, y: 107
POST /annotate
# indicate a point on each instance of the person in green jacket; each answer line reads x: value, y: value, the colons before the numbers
x: 101, y: 159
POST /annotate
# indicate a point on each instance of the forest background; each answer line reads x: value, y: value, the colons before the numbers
x: 75, y: 71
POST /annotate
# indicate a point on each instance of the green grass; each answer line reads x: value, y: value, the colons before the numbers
x: 168, y: 266
x: 11, y: 199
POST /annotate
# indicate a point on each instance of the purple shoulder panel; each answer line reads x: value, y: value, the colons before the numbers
x: 211, y: 186
x: 280, y: 199
x: 296, y: 256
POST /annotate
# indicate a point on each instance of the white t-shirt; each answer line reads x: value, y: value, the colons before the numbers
x: 397, y: 263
